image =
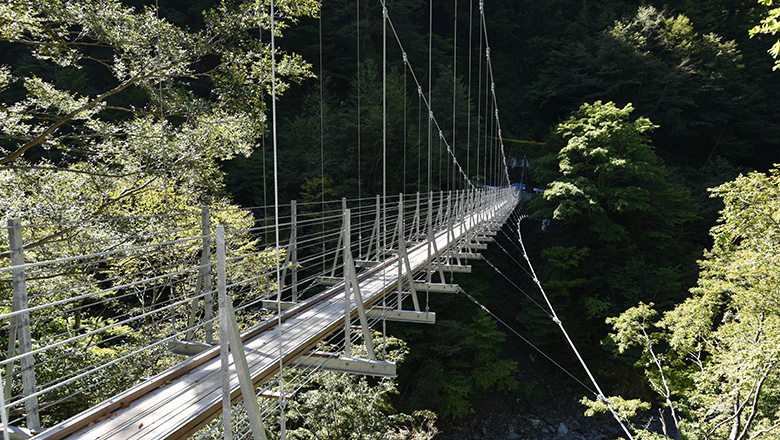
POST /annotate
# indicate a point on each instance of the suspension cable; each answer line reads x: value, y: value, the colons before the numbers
x: 468, y: 99
x: 539, y: 350
x: 600, y: 395
x: 430, y: 73
x: 282, y: 401
x: 454, y: 84
x: 493, y: 88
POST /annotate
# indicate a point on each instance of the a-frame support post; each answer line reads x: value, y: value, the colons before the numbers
x: 403, y: 260
x: 20, y: 329
x: 230, y: 343
x: 351, y: 287
x: 203, y: 283
x: 4, y: 414
x: 451, y: 214
x: 374, y: 240
x: 341, y: 240
x: 415, y: 229
x: 291, y: 259
x: 431, y: 245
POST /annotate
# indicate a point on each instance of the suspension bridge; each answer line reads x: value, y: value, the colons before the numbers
x: 204, y: 323
x: 378, y: 265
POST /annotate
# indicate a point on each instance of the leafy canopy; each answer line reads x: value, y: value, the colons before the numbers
x: 715, y: 358
x: 770, y: 25
x: 618, y: 222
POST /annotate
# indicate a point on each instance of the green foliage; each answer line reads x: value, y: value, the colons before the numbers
x: 342, y: 406
x: 626, y: 409
x: 604, y: 169
x: 109, y: 111
x: 459, y: 365
x: 604, y: 181
x: 770, y: 25
x: 691, y: 84
x: 118, y: 99
x: 714, y: 358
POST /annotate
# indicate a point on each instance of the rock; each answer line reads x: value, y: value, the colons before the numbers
x: 476, y: 436
x: 513, y: 436
x: 562, y: 430
x: 535, y: 422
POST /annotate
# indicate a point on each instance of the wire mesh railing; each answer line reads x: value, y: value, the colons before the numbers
x: 93, y: 308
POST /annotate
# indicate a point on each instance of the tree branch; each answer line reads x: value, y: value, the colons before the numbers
x: 754, y: 407
x: 100, y: 98
x: 69, y: 170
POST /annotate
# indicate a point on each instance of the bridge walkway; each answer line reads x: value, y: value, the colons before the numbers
x: 179, y: 402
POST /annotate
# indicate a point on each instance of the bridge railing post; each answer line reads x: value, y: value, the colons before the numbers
x: 20, y: 329
x: 294, y: 249
x: 231, y: 344
x: 351, y: 285
x: 403, y: 260
x: 342, y: 237
x: 203, y: 283
x: 291, y: 257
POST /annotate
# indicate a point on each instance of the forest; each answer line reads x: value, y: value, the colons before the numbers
x: 651, y: 129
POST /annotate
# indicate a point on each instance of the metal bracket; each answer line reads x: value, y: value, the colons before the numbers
x: 273, y: 305
x: 333, y: 362
x: 402, y: 315
x: 365, y: 263
x: 17, y: 433
x: 329, y: 281
x: 469, y: 255
x: 456, y: 268
x: 187, y: 348
x: 437, y: 287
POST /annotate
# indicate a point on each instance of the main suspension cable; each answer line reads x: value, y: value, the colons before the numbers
x: 600, y: 394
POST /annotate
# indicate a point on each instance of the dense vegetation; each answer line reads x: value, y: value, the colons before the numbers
x: 640, y: 110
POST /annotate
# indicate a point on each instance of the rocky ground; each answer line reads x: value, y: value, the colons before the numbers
x: 541, y: 423
x: 551, y: 412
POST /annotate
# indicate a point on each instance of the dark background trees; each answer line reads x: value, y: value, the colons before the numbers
x: 689, y: 67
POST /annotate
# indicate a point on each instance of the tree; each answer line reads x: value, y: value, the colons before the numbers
x: 109, y: 112
x: 126, y: 103
x: 346, y: 406
x: 715, y: 358
x: 691, y: 84
x: 618, y: 223
x: 770, y: 25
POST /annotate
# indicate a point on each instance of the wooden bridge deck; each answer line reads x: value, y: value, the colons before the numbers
x: 179, y: 402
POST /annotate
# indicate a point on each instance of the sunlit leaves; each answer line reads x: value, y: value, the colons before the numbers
x: 770, y: 25
x: 720, y: 349
x: 607, y: 169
